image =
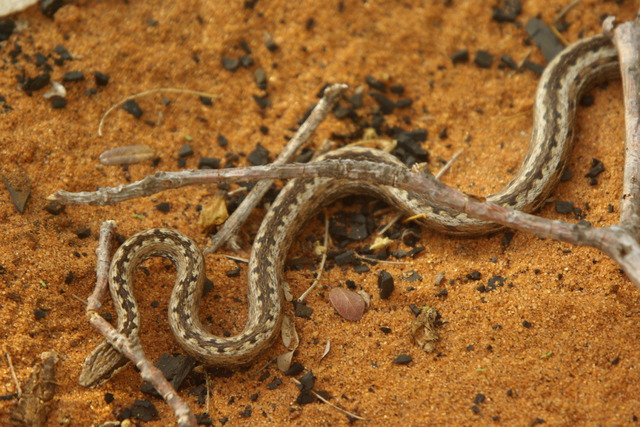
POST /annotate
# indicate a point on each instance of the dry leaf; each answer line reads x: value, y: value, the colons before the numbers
x: 380, y: 243
x: 348, y: 304
x: 290, y: 340
x: 319, y: 250
x: 423, y: 329
x: 213, y: 213
x: 365, y: 297
x: 327, y: 348
x: 286, y: 290
x: 127, y: 155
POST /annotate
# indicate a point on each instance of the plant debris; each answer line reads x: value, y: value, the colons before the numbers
x: 347, y: 303
x: 127, y: 155
x: 423, y: 329
x: 37, y: 398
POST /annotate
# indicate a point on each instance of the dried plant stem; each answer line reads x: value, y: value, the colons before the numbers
x: 13, y: 373
x: 322, y: 399
x: 149, y: 92
x: 322, y: 262
x: 148, y: 372
x: 625, y: 38
x: 235, y: 221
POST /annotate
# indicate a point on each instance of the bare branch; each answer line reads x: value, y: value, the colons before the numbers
x: 384, y: 174
x: 625, y: 38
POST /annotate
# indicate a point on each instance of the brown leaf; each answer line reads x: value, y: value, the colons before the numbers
x: 348, y: 304
x: 214, y: 213
x: 127, y: 155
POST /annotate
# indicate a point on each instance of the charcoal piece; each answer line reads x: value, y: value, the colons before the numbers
x: 132, y: 107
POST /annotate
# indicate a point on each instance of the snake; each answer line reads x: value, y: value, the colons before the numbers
x: 574, y: 70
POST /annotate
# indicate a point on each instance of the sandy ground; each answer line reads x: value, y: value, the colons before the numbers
x: 576, y: 363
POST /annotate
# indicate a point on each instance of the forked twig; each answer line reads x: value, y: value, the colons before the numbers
x: 148, y: 372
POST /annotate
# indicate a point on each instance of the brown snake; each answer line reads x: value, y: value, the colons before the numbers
x: 575, y: 69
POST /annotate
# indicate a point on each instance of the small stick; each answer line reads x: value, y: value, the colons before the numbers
x: 13, y: 373
x: 324, y: 259
x: 149, y: 92
x: 625, y: 37
x: 322, y: 399
x: 564, y: 11
x: 236, y: 258
x: 317, y: 116
x: 381, y: 261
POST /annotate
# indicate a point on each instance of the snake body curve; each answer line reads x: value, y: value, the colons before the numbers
x: 574, y: 70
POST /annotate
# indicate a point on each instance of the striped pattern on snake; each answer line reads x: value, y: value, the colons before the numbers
x: 577, y: 68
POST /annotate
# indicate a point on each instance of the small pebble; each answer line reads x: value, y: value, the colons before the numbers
x: 206, y: 100
x: 483, y: 59
x: 222, y: 141
x: 259, y: 156
x: 73, y: 76
x: 132, y: 107
x: 246, y: 61
x: 397, y: 89
x: 563, y: 207
x: 402, y: 359
x: 302, y: 310
x: 63, y: 52
x: 164, y: 207
x: 262, y: 101
x: 185, y: 151
x: 404, y: 103
x: 58, y: 102
x: 376, y: 84
x: 386, y: 105
x: 597, y: 167
x: 260, y: 77
x: 230, y: 64
x: 102, y: 79
x: 460, y: 56
x: 209, y: 163
x: 54, y: 207
x: 83, y: 233
x: 50, y: 7
x: 6, y: 29
x: 271, y: 45
x: 474, y: 275
x: 509, y: 62
x: 33, y: 84
x: 345, y: 258
x: 385, y: 283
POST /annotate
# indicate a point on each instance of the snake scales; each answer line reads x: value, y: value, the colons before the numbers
x: 575, y: 69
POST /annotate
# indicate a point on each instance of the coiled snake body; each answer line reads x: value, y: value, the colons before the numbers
x: 577, y: 68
